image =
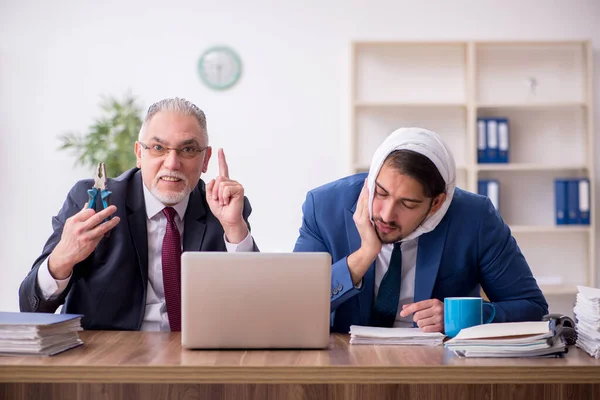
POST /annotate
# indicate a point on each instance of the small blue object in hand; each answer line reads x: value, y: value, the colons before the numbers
x: 99, y: 188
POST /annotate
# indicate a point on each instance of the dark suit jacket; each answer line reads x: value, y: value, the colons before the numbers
x: 470, y: 247
x: 109, y: 287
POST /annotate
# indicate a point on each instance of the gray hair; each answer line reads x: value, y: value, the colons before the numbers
x: 178, y: 105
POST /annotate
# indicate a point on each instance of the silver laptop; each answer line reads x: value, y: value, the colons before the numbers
x: 255, y: 300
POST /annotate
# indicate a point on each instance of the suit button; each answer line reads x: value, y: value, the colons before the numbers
x: 33, y: 301
x: 340, y: 287
x: 330, y: 295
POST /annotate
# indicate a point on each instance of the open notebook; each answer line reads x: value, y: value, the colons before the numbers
x: 398, y: 336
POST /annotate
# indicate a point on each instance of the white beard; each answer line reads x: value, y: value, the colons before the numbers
x: 170, y: 198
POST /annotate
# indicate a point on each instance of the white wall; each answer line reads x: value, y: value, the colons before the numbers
x: 284, y: 126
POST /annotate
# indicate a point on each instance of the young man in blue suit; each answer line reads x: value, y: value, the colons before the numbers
x: 131, y: 280
x: 404, y: 238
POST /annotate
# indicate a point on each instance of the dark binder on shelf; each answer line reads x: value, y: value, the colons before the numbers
x: 492, y: 141
x: 584, y: 201
x: 481, y: 140
x: 503, y: 140
x: 482, y: 187
x: 573, y: 201
x: 560, y: 201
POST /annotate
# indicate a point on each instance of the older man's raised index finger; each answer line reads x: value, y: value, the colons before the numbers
x: 223, y: 168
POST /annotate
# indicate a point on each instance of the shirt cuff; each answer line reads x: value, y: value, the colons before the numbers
x: 358, y: 285
x: 51, y: 288
x: 245, y: 245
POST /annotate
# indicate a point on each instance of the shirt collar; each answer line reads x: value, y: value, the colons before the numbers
x: 154, y: 206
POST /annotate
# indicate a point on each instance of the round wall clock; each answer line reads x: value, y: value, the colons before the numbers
x: 220, y: 67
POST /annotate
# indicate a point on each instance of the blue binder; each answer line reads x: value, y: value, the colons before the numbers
x: 482, y: 187
x: 573, y: 201
x: 491, y: 189
x: 584, y: 201
x: 481, y: 140
x: 560, y: 201
x: 492, y: 141
x: 494, y: 193
x: 503, y: 140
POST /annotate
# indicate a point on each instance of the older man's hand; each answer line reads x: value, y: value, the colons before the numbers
x: 225, y: 198
x: 80, y: 236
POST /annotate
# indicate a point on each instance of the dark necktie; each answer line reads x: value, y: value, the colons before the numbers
x: 386, y: 303
x: 171, y: 269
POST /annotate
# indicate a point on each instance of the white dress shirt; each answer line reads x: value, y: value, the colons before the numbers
x: 407, y: 286
x: 155, y: 316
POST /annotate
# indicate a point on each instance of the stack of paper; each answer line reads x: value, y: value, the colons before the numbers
x: 510, y: 339
x: 401, y: 336
x: 38, y: 333
x: 587, y: 313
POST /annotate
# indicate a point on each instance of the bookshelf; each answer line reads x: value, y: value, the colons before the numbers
x: 545, y: 91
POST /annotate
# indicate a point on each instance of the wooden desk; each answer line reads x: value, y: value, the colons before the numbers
x: 127, y: 365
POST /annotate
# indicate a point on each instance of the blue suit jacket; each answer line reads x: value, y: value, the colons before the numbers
x: 471, y: 248
x: 109, y: 287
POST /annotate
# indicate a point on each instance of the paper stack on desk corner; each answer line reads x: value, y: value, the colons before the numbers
x: 587, y: 314
x: 394, y: 336
x: 38, y: 333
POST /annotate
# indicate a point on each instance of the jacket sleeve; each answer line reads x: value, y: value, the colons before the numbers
x: 505, y: 275
x: 31, y: 298
x: 311, y: 240
x: 246, y: 213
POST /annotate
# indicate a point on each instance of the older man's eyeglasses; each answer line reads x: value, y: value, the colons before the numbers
x: 187, y: 152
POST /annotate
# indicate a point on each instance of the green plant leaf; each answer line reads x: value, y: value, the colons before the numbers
x: 110, y: 138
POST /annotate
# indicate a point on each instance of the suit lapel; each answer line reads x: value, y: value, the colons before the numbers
x: 194, y: 226
x: 429, y: 256
x: 137, y: 222
x: 351, y: 231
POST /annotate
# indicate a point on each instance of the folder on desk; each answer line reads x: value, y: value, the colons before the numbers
x: 508, y: 339
x: 38, y: 333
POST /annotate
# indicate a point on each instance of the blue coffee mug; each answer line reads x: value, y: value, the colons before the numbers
x: 464, y: 312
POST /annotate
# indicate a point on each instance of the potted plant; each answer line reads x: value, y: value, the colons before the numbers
x: 110, y: 138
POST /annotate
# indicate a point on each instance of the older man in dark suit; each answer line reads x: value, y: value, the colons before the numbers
x: 131, y: 279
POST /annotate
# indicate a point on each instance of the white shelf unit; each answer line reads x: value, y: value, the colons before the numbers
x: 548, y: 166
x: 446, y: 86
